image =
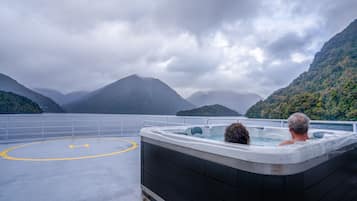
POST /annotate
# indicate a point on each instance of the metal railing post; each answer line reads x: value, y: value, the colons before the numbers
x: 42, y: 128
x: 72, y: 132
x: 282, y: 123
x: 7, y: 127
x: 121, y: 126
x: 98, y: 127
x: 355, y: 127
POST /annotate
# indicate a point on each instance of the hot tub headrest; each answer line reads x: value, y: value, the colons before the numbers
x: 195, y: 130
x: 318, y: 134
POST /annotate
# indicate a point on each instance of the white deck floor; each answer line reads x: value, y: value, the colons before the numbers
x: 103, y: 178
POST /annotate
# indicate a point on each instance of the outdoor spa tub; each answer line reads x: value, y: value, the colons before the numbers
x: 194, y: 163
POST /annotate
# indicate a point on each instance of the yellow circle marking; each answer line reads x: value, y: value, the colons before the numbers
x: 72, y: 146
x: 4, y: 154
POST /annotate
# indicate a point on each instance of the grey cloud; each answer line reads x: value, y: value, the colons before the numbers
x: 195, y: 62
x: 334, y: 15
x: 81, y: 15
x: 287, y: 44
x: 82, y: 45
x: 339, y: 15
x: 282, y: 74
x: 195, y: 16
x: 204, y: 15
x: 190, y: 64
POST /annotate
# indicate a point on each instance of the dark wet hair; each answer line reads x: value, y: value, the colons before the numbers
x: 237, y: 133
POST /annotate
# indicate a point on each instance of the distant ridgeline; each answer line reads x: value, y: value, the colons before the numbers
x: 239, y: 102
x: 10, y: 85
x: 131, y: 95
x: 328, y: 90
x: 12, y: 103
x: 209, y: 110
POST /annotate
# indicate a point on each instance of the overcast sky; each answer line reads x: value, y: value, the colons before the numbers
x: 240, y: 45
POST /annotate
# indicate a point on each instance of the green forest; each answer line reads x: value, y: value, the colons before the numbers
x: 11, y: 103
x: 327, y: 91
x: 209, y: 110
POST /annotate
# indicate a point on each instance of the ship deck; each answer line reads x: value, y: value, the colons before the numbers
x: 73, y: 169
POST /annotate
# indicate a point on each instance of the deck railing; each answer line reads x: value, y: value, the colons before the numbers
x: 13, y: 130
x: 26, y: 127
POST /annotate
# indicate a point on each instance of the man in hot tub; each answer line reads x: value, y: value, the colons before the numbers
x: 298, y: 127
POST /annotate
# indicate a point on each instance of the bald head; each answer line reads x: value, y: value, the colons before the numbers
x: 299, y: 123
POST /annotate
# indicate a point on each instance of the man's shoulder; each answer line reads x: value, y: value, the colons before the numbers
x: 287, y: 142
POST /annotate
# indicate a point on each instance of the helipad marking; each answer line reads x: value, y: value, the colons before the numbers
x: 73, y: 146
x: 5, y: 153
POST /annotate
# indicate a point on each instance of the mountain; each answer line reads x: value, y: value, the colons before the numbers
x: 328, y: 90
x: 209, y: 110
x: 74, y: 96
x: 11, y: 103
x: 131, y: 95
x: 10, y: 85
x: 59, y: 97
x: 237, y: 101
x: 51, y: 93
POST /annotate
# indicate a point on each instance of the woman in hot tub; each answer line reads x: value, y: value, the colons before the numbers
x: 237, y: 133
x: 298, y: 127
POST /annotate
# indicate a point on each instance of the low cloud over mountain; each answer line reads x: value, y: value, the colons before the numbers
x: 80, y: 45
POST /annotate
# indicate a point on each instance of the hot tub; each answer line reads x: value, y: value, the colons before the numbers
x: 194, y: 163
